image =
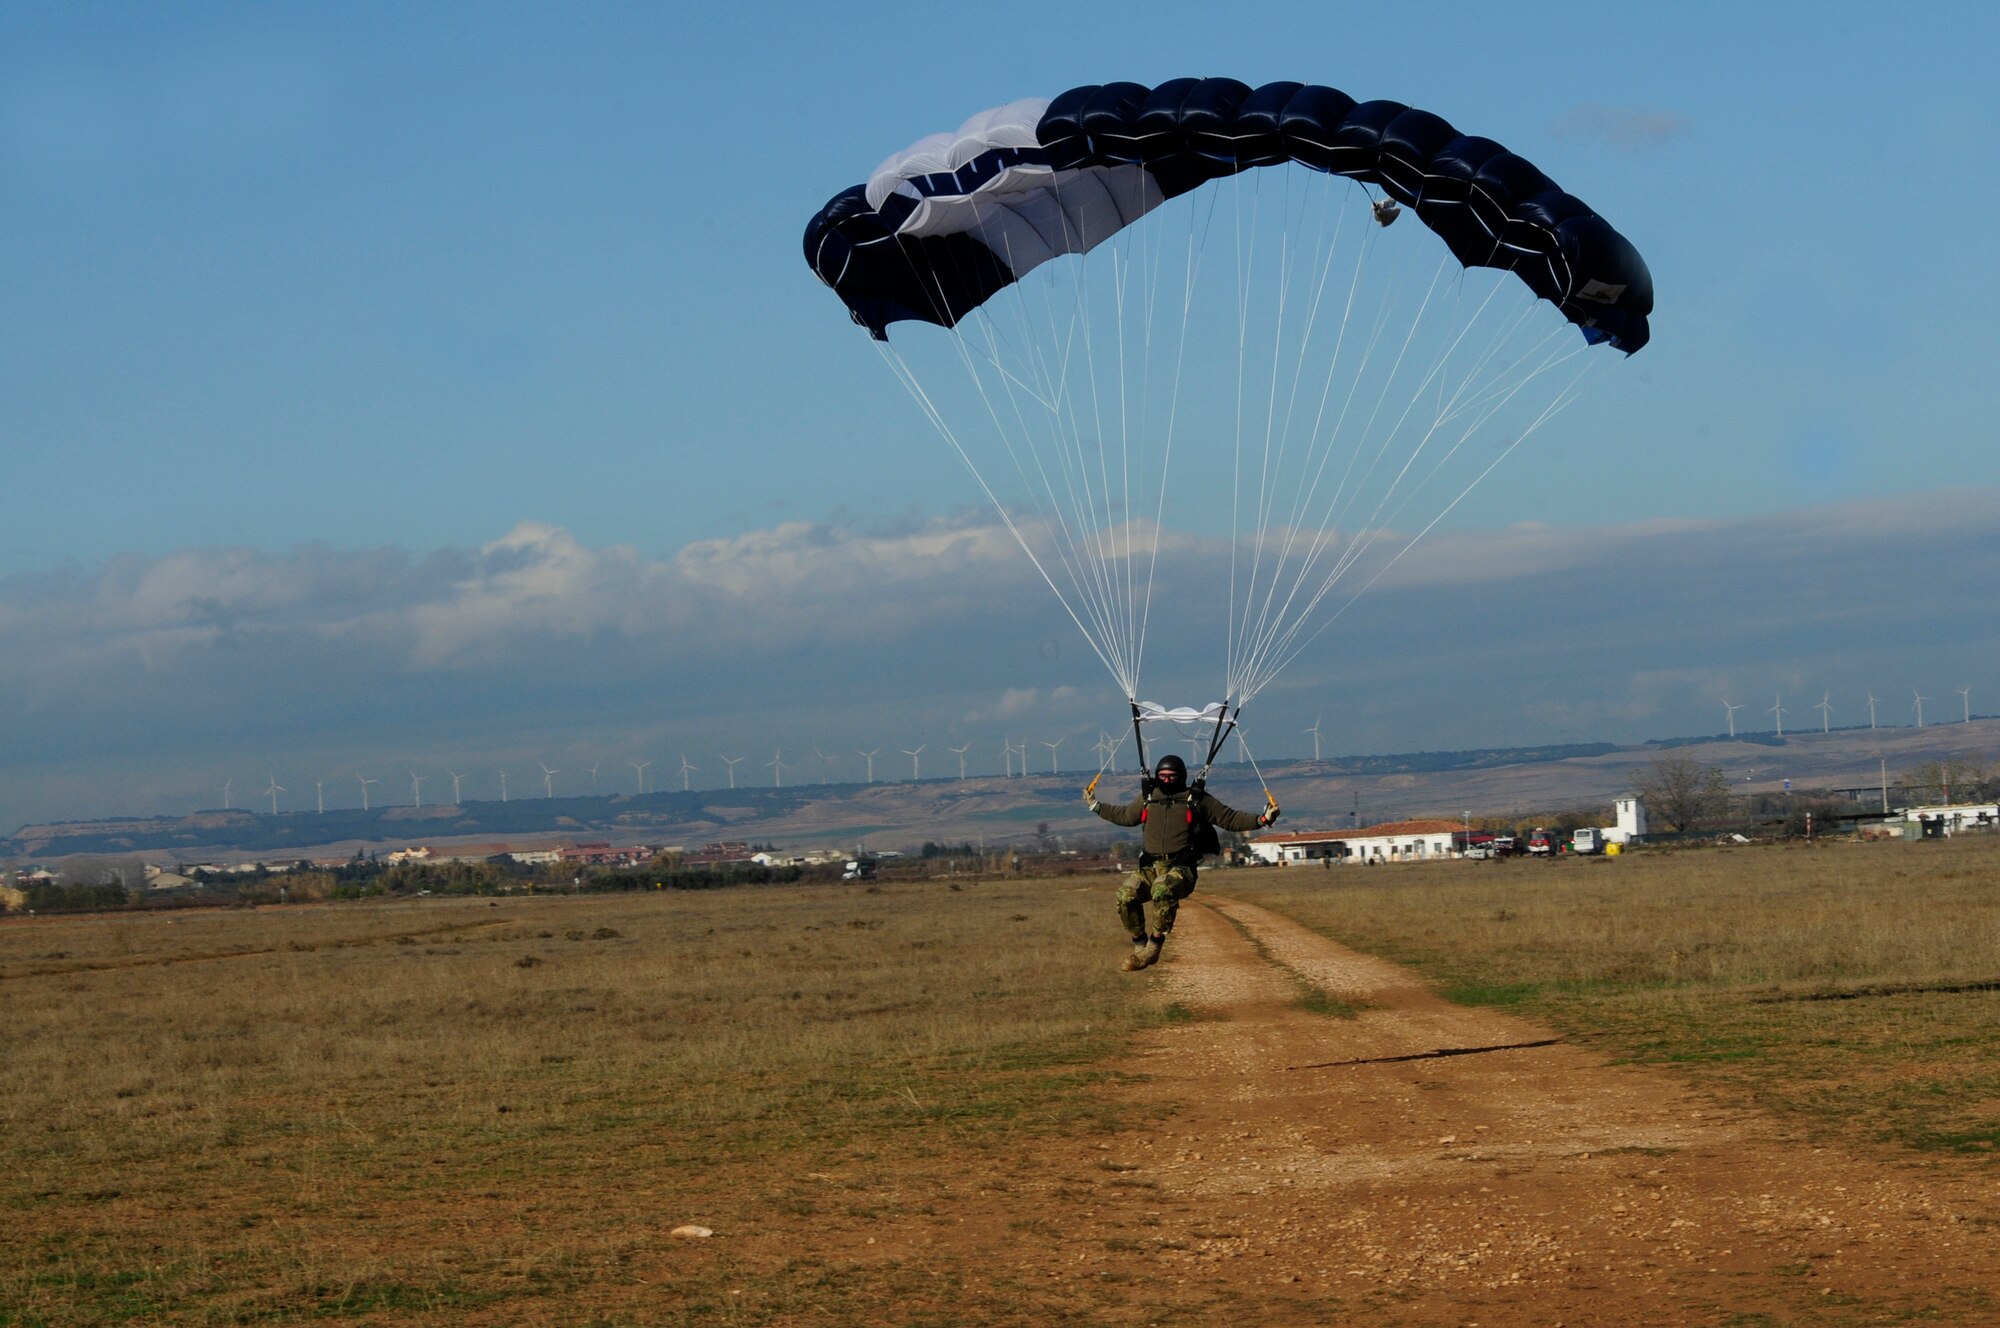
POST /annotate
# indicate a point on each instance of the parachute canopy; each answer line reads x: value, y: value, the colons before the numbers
x: 942, y: 226
x: 1173, y: 353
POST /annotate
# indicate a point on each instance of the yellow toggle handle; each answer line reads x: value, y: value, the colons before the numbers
x: 1091, y: 788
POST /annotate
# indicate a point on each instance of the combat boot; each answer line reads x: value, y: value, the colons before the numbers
x: 1139, y: 957
x: 1151, y: 953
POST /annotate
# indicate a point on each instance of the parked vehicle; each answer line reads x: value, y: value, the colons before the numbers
x: 861, y: 869
x: 1587, y: 840
x: 1544, y: 843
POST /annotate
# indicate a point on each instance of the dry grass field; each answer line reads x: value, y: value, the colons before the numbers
x: 473, y: 1111
x: 435, y: 1110
x: 1854, y: 988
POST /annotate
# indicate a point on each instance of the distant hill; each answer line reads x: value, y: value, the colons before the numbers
x: 1339, y: 791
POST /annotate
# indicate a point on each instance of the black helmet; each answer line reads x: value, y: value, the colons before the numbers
x: 1173, y: 763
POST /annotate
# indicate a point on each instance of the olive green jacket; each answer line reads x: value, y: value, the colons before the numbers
x: 1166, y: 816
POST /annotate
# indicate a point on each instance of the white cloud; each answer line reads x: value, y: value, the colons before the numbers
x: 1627, y: 128
x: 824, y: 633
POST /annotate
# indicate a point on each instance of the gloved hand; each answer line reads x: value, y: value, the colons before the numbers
x: 1270, y: 815
x: 1090, y: 799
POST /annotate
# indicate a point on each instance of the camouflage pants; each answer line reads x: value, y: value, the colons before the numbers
x: 1151, y: 896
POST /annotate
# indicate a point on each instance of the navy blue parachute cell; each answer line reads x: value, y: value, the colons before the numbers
x: 943, y: 225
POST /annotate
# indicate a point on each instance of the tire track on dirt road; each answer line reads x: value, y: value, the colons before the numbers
x: 1533, y: 1185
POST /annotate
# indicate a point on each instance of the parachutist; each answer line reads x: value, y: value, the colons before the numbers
x: 1386, y: 210
x: 1180, y: 824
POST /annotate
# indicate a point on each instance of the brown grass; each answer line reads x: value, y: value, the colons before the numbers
x: 431, y: 1107
x: 453, y: 1111
x: 1852, y: 988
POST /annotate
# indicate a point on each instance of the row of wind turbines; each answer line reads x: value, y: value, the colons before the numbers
x: 778, y: 765
x: 1778, y: 712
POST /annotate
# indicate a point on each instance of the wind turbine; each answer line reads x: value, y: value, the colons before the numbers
x: 275, y: 789
x: 593, y: 774
x: 548, y: 781
x: 1314, y: 730
x: 1871, y: 710
x: 913, y: 758
x: 960, y: 752
x: 365, y: 782
x: 227, y: 784
x: 870, y: 757
x: 456, y: 780
x: 1022, y: 752
x: 1825, y: 708
x: 503, y: 786
x: 1921, y: 698
x: 777, y: 764
x: 1779, y: 711
x: 1007, y: 755
x: 416, y: 788
x: 731, y: 762
x: 639, y: 769
x: 1055, y: 747
x: 319, y: 786
x: 1732, y: 709
x: 685, y: 768
x: 1965, y: 694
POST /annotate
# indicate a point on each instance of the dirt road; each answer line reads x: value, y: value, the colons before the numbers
x: 1533, y: 1185
x: 1277, y: 1165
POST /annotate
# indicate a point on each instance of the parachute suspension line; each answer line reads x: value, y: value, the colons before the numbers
x: 1240, y: 643
x: 1083, y: 555
x: 1068, y: 555
x: 1245, y: 266
x: 1390, y: 426
x: 1197, y: 244
x: 1112, y: 568
x: 1108, y: 756
x: 902, y: 372
x: 1324, y: 266
x: 1079, y: 517
x: 1073, y: 558
x: 1277, y: 434
x: 1464, y: 399
x: 1255, y: 768
x: 1292, y: 645
x: 1371, y: 529
x: 1264, y: 476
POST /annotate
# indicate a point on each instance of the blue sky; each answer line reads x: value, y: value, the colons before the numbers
x: 360, y: 289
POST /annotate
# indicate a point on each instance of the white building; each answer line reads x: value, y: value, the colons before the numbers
x: 1952, y: 819
x: 1631, y: 822
x: 1392, y: 841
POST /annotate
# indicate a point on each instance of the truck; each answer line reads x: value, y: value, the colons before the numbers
x: 1544, y: 843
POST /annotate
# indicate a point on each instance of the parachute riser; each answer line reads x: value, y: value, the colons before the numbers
x: 1225, y: 724
x: 1139, y: 737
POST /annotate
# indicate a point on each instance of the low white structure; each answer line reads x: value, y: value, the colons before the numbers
x: 1392, y: 841
x: 1952, y: 818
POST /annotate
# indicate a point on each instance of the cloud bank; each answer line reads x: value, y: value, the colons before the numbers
x: 142, y: 684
